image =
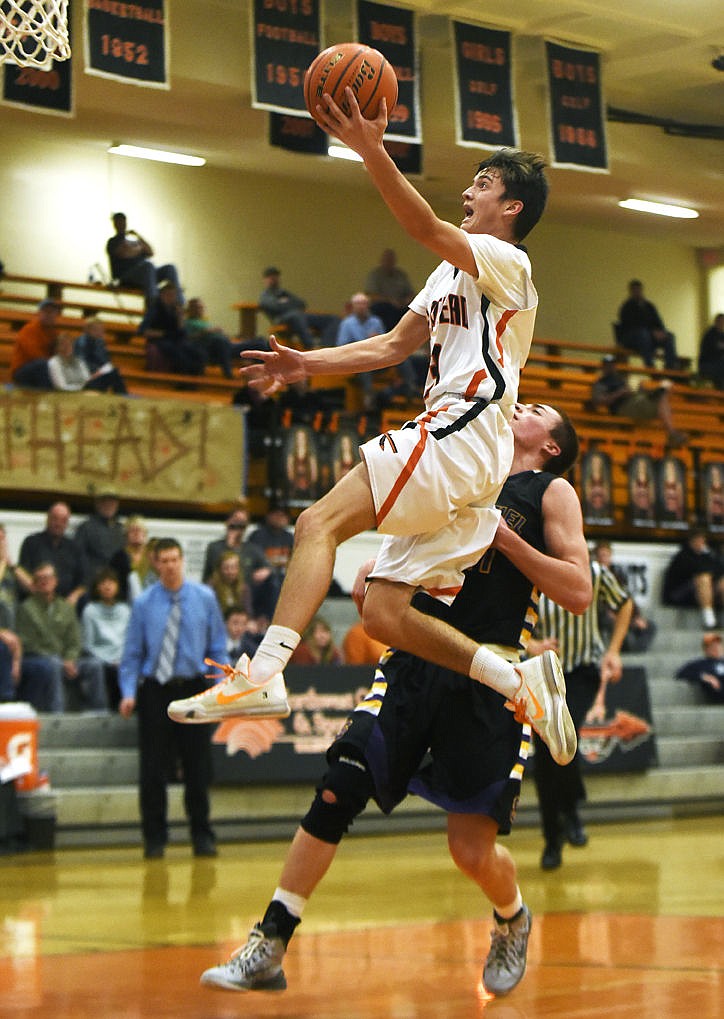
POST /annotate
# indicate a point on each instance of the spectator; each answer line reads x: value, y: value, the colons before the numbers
x: 133, y: 564
x: 641, y: 631
x: 50, y: 634
x: 694, y: 577
x: 11, y: 655
x: 69, y: 374
x: 101, y: 535
x: 317, y: 646
x: 360, y: 324
x: 104, y: 622
x: 227, y: 581
x: 129, y: 254
x: 91, y: 348
x: 53, y: 545
x: 168, y: 348
x: 275, y: 541
x: 214, y: 344
x: 175, y: 625
x: 389, y: 290
x: 14, y: 581
x: 33, y: 347
x: 642, y: 330
x: 282, y: 307
x: 242, y: 635
x: 254, y: 565
x: 612, y: 391
x: 707, y: 672
x: 711, y: 352
x: 358, y: 648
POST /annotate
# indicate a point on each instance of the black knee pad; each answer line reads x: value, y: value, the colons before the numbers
x: 350, y: 782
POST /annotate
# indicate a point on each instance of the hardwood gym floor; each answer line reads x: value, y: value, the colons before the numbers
x: 630, y: 926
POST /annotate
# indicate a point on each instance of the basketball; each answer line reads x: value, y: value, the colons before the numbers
x: 365, y: 70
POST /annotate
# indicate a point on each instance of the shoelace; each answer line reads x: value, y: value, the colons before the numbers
x: 517, y: 706
x: 227, y: 671
x: 257, y: 949
x: 504, y: 946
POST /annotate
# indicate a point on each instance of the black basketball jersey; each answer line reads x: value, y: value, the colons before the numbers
x: 497, y: 604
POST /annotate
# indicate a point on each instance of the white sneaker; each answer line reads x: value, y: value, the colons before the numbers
x: 256, y: 966
x: 235, y: 697
x: 541, y: 702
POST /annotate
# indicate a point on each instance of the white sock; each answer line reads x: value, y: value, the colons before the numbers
x: 492, y: 670
x: 709, y: 617
x: 292, y: 902
x: 509, y: 911
x: 273, y: 654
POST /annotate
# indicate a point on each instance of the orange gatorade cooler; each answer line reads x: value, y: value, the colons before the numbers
x: 19, y: 745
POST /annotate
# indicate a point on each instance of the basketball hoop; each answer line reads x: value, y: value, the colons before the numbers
x: 33, y: 32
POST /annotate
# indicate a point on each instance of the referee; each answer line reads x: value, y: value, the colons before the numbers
x: 589, y: 666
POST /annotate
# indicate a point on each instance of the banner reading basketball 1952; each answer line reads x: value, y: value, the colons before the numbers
x: 127, y: 41
x: 286, y: 40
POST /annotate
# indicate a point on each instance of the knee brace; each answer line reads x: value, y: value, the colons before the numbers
x: 351, y: 784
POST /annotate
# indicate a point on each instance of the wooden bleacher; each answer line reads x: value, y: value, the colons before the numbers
x: 559, y: 372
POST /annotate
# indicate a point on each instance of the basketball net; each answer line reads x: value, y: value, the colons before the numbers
x: 33, y: 32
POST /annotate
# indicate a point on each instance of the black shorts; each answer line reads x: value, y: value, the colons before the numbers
x: 443, y: 736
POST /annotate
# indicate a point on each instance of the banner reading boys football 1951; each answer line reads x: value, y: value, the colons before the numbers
x: 82, y: 443
x: 285, y: 40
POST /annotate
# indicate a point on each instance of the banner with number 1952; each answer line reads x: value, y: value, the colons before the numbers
x: 127, y: 42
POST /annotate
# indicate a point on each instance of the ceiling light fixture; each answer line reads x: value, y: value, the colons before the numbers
x: 342, y: 152
x: 158, y: 155
x: 659, y: 208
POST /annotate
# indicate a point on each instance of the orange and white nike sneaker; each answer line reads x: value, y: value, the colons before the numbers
x: 234, y: 697
x: 541, y: 702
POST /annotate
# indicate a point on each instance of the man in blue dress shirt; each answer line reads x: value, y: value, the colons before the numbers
x: 174, y: 625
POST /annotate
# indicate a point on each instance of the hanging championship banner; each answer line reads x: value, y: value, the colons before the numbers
x: 297, y: 134
x: 391, y: 30
x: 577, y: 125
x: 45, y: 90
x: 127, y: 42
x: 286, y: 40
x: 484, y: 92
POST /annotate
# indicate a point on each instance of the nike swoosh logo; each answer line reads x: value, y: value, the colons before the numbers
x: 223, y: 698
x: 540, y: 712
x: 286, y: 646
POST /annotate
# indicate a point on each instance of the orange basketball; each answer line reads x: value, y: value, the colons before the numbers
x: 364, y: 69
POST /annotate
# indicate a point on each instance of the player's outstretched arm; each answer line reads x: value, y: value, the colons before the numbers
x: 407, y: 205
x: 282, y: 365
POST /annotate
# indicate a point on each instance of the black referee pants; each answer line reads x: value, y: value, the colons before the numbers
x: 164, y: 744
x: 559, y: 787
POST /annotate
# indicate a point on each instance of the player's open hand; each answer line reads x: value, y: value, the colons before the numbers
x: 356, y: 131
x: 279, y: 367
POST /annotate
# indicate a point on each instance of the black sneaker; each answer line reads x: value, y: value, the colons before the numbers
x: 505, y: 965
x: 575, y: 832
x: 551, y: 858
x: 256, y: 966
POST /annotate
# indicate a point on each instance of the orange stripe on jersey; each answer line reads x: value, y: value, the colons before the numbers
x: 407, y: 471
x: 442, y: 592
x: 475, y: 382
x: 500, y: 329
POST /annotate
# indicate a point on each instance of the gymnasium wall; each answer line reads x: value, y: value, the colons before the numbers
x: 223, y: 227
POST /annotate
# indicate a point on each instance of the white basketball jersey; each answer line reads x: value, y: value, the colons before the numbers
x: 480, y: 329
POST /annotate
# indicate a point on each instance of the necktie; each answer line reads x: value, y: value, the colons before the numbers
x: 169, y: 642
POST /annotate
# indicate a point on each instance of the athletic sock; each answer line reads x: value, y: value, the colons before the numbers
x: 273, y: 654
x: 285, y: 912
x: 708, y: 617
x: 493, y: 671
x: 509, y: 912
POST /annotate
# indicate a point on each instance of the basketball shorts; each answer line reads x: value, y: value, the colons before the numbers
x: 440, y: 735
x: 434, y: 483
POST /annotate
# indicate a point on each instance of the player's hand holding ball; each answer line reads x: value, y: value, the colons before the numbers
x: 348, y: 82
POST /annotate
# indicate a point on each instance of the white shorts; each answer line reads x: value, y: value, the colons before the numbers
x: 434, y: 484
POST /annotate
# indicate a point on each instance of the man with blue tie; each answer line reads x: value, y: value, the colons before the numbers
x: 175, y: 624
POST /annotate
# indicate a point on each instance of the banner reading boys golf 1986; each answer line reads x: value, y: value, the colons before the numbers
x: 578, y: 132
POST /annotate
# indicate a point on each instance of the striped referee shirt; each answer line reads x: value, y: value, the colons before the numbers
x: 579, y: 638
